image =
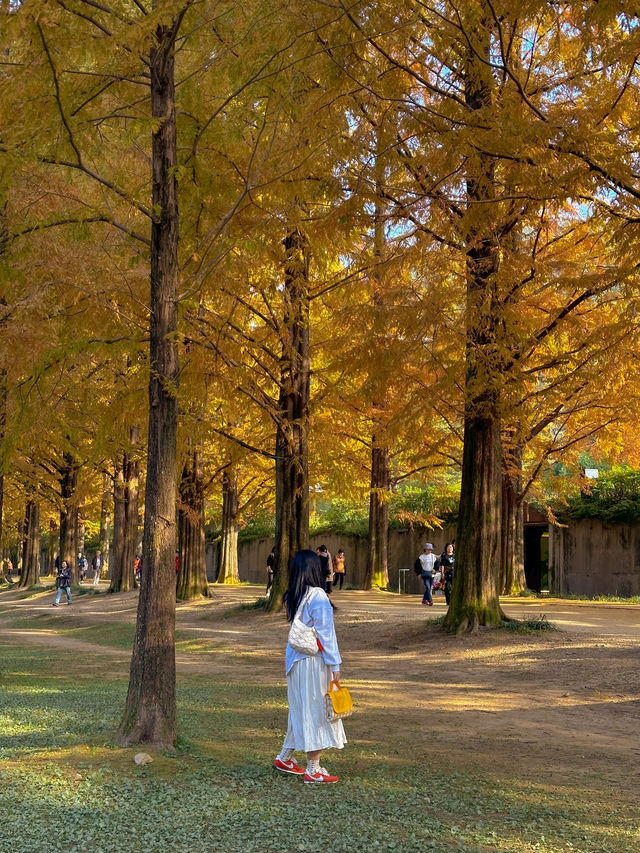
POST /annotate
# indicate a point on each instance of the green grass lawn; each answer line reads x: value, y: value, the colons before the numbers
x: 65, y: 786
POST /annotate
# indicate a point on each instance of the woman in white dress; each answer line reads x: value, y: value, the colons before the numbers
x: 309, y: 676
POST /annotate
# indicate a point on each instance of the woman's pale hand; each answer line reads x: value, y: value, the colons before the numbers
x: 335, y: 676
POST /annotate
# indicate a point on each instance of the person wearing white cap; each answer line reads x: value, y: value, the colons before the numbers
x: 427, y: 560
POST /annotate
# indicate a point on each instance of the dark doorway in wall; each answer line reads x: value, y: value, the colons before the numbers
x: 536, y: 556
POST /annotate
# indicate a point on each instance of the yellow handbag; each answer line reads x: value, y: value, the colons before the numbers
x: 339, y: 702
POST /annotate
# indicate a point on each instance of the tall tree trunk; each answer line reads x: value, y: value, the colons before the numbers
x: 131, y: 511
x: 119, y: 526
x: 377, y: 572
x: 292, y: 435
x: 54, y: 540
x: 150, y: 713
x: 126, y: 497
x: 512, y: 578
x: 30, y: 575
x: 474, y: 599
x: 4, y: 242
x: 68, y: 480
x: 229, y: 540
x: 3, y: 398
x: 105, y: 522
x: 191, y: 581
x: 80, y: 530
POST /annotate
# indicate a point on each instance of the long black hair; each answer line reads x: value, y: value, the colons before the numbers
x: 306, y: 571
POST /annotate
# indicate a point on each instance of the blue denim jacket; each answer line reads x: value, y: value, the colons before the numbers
x: 317, y: 613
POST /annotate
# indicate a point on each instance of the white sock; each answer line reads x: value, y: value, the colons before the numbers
x: 285, y: 754
x: 313, y: 767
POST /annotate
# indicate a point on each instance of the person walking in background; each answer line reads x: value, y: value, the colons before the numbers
x: 63, y: 582
x: 427, y: 560
x: 327, y: 567
x: 338, y: 569
x: 309, y: 676
x: 446, y: 563
x: 96, y: 565
x: 271, y: 563
x: 83, y: 567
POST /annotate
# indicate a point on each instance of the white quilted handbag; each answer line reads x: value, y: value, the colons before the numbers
x: 302, y: 638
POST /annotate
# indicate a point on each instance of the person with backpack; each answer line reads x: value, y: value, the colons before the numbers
x: 446, y: 563
x: 63, y: 582
x: 427, y: 569
x: 327, y: 567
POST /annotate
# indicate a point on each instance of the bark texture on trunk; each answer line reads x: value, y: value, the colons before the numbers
x: 54, y: 539
x: 3, y: 395
x: 79, y: 531
x: 191, y: 581
x: 377, y: 573
x: 512, y: 577
x: 474, y: 599
x: 292, y: 435
x: 105, y: 522
x: 228, y: 572
x: 150, y: 713
x: 31, y: 545
x: 119, y: 525
x: 125, y: 513
x: 68, y: 514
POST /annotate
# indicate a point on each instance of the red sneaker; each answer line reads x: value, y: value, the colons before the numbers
x: 322, y: 776
x: 288, y: 766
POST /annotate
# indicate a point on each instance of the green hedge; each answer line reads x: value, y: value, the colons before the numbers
x: 613, y: 498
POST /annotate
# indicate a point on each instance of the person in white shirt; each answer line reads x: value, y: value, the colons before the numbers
x: 309, y: 676
x: 428, y: 560
x: 96, y: 565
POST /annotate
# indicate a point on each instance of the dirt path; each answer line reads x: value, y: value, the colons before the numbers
x: 544, y: 707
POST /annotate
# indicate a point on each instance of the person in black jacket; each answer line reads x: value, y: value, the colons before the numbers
x: 63, y: 582
x: 271, y: 564
x: 446, y: 564
x: 327, y: 567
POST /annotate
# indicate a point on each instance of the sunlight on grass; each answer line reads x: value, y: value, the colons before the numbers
x: 219, y: 791
x: 399, y: 789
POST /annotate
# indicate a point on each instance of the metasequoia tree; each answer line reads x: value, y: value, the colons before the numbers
x: 150, y: 713
x: 489, y: 136
x: 228, y: 570
x: 150, y: 709
x: 191, y: 579
x: 261, y: 329
x: 126, y: 486
x: 124, y: 58
x: 292, y: 427
x: 379, y: 374
x: 30, y: 574
x: 104, y: 536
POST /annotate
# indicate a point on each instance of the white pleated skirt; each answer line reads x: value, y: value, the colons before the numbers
x: 308, y: 728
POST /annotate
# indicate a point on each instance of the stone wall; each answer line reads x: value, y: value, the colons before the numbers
x: 404, y: 547
x: 590, y: 558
